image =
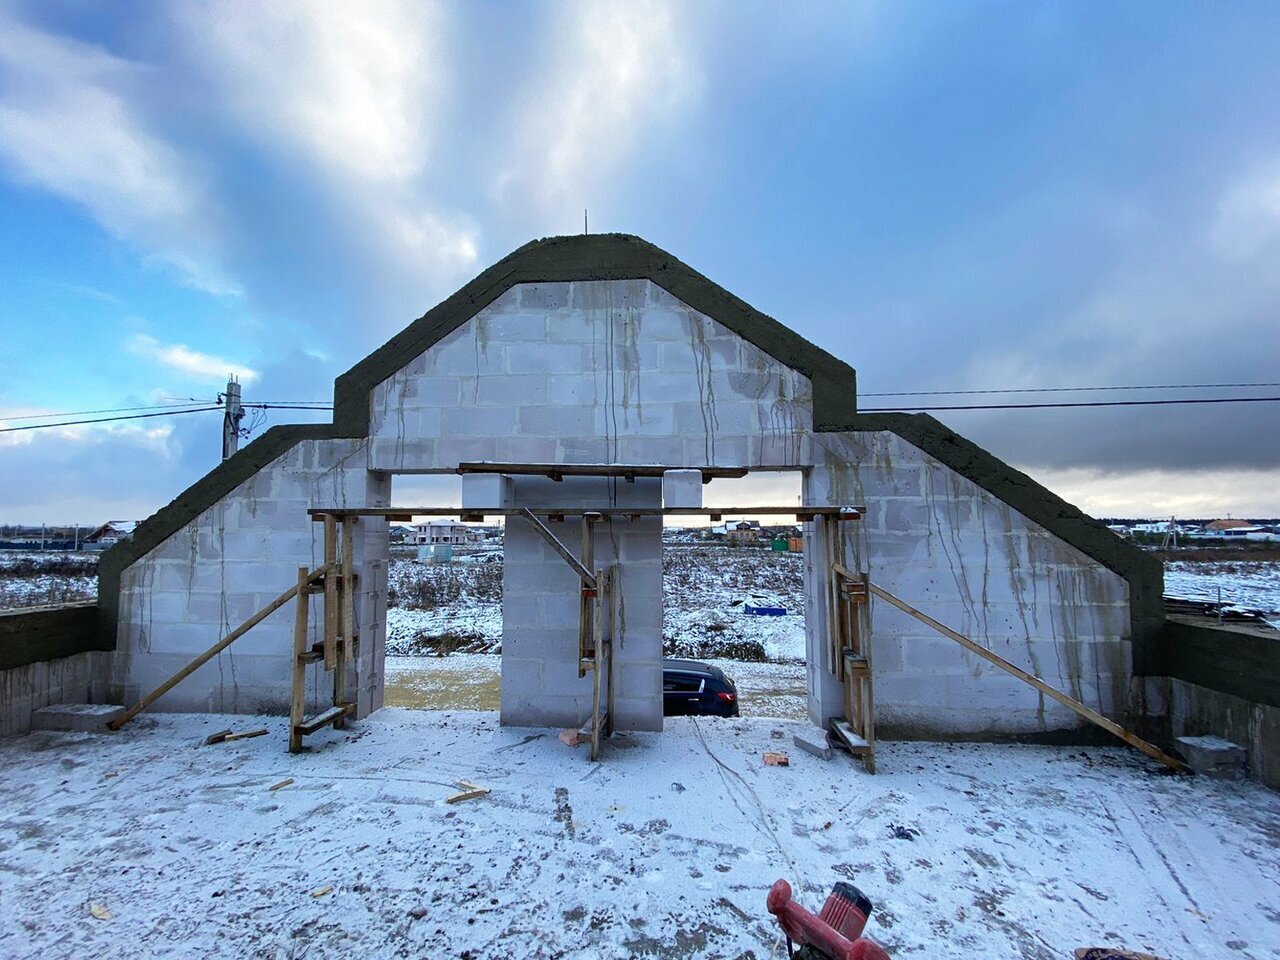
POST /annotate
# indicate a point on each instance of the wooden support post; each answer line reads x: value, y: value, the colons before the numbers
x: 298, y: 702
x: 597, y: 675
x: 615, y: 619
x: 830, y: 560
x: 346, y: 649
x: 588, y: 634
x: 1088, y: 713
x: 330, y: 592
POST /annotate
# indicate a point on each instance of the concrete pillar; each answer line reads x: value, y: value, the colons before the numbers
x: 540, y: 597
x: 820, y: 487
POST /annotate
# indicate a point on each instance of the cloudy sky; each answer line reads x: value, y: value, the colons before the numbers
x: 947, y: 196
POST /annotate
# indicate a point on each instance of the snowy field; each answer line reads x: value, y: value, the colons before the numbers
x: 146, y: 843
x: 458, y: 606
x: 34, y: 579
x: 1254, y: 584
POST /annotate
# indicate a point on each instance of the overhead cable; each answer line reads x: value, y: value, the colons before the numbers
x: 1044, y: 406
x: 1152, y: 386
x: 76, y: 423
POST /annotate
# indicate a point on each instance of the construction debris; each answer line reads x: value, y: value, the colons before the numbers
x: 570, y: 738
x: 813, y: 741
x: 99, y: 912
x: 321, y: 892
x: 772, y: 758
x: 1106, y: 953
x: 470, y: 791
x: 283, y: 783
x: 226, y: 736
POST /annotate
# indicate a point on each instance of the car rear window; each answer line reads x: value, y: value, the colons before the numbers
x: 681, y: 683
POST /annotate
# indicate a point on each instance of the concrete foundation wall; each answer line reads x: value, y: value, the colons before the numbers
x: 950, y: 549
x: 76, y: 679
x: 1178, y: 708
x: 540, y: 682
x: 231, y: 561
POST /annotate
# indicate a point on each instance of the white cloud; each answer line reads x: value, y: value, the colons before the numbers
x: 354, y: 95
x: 351, y: 87
x: 1165, y: 493
x: 67, y: 126
x: 1249, y: 214
x: 191, y: 362
x: 619, y: 67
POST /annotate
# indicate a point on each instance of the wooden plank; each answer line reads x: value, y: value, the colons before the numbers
x: 204, y: 658
x: 325, y: 718
x: 587, y: 578
x: 615, y: 618
x: 596, y: 675
x: 1088, y: 713
x: 346, y: 617
x: 839, y: 513
x: 625, y: 470
x: 298, y: 699
x: 330, y: 592
x: 470, y: 791
x: 586, y: 640
x: 853, y: 741
x: 226, y: 736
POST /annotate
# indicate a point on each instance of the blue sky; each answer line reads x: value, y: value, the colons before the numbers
x: 947, y: 196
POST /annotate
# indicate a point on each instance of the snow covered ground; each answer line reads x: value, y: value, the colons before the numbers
x: 1254, y: 584
x: 35, y: 579
x: 147, y: 843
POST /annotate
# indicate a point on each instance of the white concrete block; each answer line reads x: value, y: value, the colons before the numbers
x: 79, y: 717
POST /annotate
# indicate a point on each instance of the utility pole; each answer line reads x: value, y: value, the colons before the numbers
x: 231, y: 418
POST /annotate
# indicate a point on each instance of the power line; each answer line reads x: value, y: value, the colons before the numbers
x: 134, y: 416
x: 1154, y: 386
x: 288, y: 406
x: 1096, y: 403
x: 85, y: 413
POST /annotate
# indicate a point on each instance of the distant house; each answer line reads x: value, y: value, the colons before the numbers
x: 743, y: 531
x: 1217, y: 526
x: 111, y: 532
x: 440, y: 531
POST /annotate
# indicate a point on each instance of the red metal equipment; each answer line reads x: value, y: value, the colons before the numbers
x: 835, y: 933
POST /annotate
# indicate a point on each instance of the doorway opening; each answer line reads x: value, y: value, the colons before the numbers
x: 734, y: 598
x: 444, y: 603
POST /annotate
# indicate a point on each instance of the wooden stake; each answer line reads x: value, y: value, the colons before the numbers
x: 1089, y: 714
x: 298, y: 701
x: 330, y: 592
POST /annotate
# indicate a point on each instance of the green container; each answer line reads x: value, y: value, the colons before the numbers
x: 779, y: 545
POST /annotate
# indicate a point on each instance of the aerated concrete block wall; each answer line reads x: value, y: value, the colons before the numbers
x: 231, y: 561
x: 622, y: 371
x: 614, y: 371
x: 540, y: 597
x: 952, y: 550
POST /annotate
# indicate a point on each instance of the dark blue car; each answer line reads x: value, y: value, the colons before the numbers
x: 691, y: 688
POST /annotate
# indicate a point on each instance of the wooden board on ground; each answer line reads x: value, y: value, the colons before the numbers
x: 470, y: 791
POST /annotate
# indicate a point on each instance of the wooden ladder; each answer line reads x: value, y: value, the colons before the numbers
x: 850, y: 649
x: 340, y: 640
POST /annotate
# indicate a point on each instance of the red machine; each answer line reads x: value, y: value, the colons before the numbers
x: 835, y: 933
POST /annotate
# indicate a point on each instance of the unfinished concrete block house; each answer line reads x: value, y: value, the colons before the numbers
x: 566, y: 381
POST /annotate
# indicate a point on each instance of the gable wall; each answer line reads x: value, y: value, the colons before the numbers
x: 614, y: 371
x: 622, y: 371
